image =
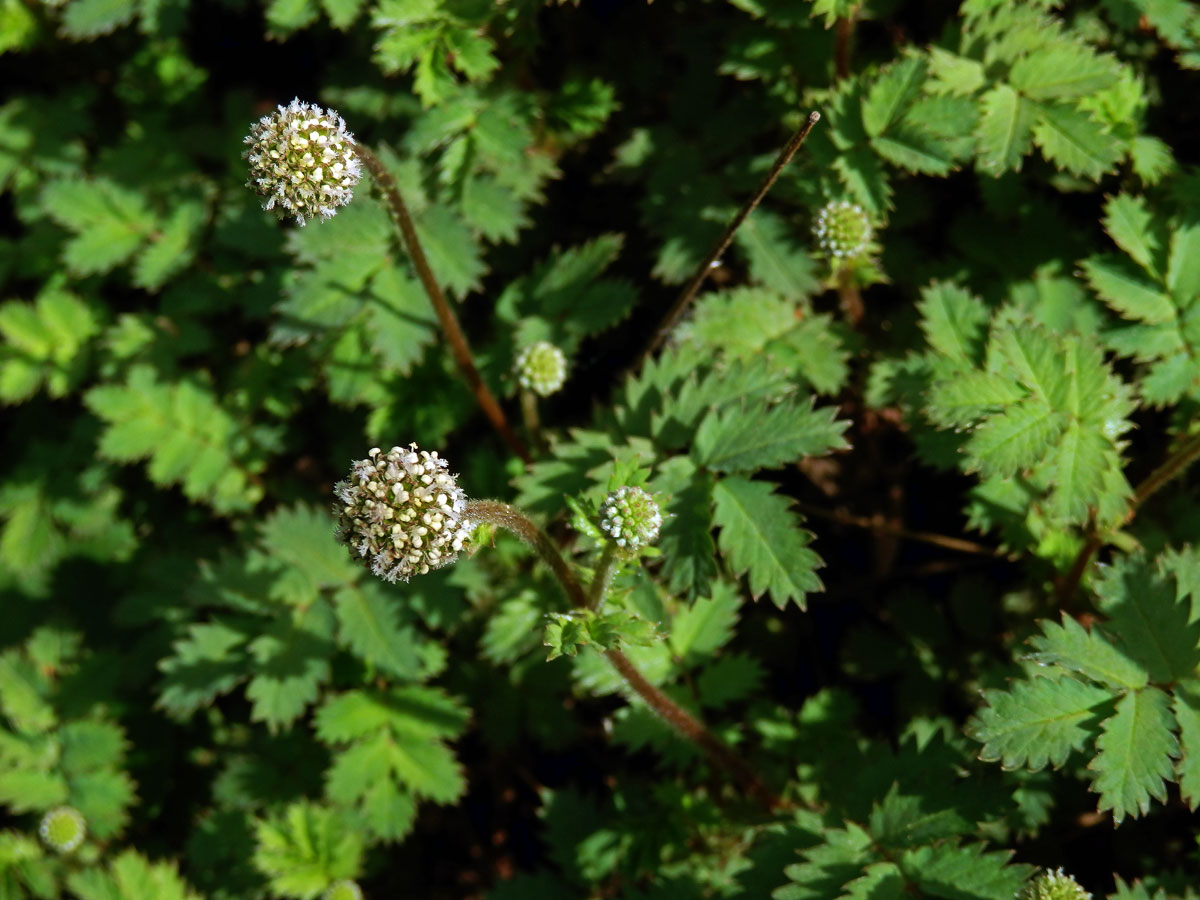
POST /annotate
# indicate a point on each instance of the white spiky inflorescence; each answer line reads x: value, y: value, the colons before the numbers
x: 631, y: 518
x: 402, y: 513
x: 343, y: 890
x: 843, y: 229
x: 542, y: 368
x: 302, y: 161
x: 63, y: 828
x: 1053, y: 885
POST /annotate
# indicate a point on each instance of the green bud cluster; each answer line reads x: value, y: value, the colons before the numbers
x: 631, y: 518
x: 542, y: 368
x: 843, y: 229
x: 302, y: 161
x: 63, y: 829
x: 1056, y: 885
x: 401, y: 512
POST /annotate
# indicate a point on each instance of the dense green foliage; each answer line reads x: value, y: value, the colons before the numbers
x: 925, y: 559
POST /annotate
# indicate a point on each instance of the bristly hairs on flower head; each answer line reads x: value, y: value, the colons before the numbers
x: 63, y: 828
x: 631, y: 519
x: 542, y: 368
x: 1053, y: 885
x: 302, y: 161
x: 843, y: 229
x: 402, y: 513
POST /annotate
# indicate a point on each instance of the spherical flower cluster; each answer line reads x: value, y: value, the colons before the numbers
x: 843, y: 229
x: 1056, y: 885
x: 401, y: 512
x: 302, y: 161
x: 343, y: 890
x: 631, y: 518
x: 542, y: 368
x: 63, y: 829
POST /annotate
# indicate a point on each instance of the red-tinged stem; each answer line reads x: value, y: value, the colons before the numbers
x: 697, y: 280
x: 449, y: 322
x: 685, y: 724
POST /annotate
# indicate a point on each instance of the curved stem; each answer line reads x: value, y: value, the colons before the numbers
x: 449, y: 322
x: 1174, y: 465
x: 512, y: 519
x: 694, y: 283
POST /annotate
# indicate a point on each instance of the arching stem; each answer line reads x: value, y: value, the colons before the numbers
x: 685, y: 724
x: 449, y: 322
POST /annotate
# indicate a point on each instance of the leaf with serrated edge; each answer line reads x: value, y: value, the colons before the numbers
x: 1183, y: 267
x: 1130, y: 224
x: 1073, y: 141
x: 1186, y: 707
x: 760, y: 536
x: 1127, y: 290
x: 1134, y: 754
x: 1037, y: 722
x: 1005, y: 130
x: 1073, y: 647
x: 746, y: 438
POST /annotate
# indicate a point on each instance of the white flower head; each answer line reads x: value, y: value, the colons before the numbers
x: 302, y: 161
x: 402, y: 513
x: 843, y: 229
x: 343, y: 890
x: 1053, y: 885
x: 63, y: 828
x: 542, y: 368
x: 631, y: 519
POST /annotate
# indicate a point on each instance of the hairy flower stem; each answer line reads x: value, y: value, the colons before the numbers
x: 533, y: 421
x: 850, y: 297
x: 1186, y: 454
x: 605, y: 569
x: 502, y: 515
x: 697, y: 280
x: 449, y: 322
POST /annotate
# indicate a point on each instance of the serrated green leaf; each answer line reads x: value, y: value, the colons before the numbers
x: 1015, y: 439
x: 891, y: 94
x: 1038, y: 722
x: 729, y: 678
x: 368, y: 623
x: 1077, y: 649
x: 1183, y: 266
x: 774, y: 259
x: 1062, y: 71
x: 170, y: 247
x: 289, y: 15
x: 969, y: 396
x: 761, y: 537
x: 130, y: 876
x: 900, y: 821
x: 342, y: 13
x: 1127, y: 290
x: 952, y: 74
x: 954, y: 321
x: 86, y: 19
x: 699, y: 630
x: 203, y: 666
x: 453, y: 253
x: 949, y: 870
x: 1150, y: 621
x: 1186, y: 708
x: 757, y: 437
x: 911, y: 148
x: 1129, y: 223
x: 1135, y: 753
x: 306, y: 849
x: 1073, y: 141
x: 1004, y: 134
x: 689, y: 552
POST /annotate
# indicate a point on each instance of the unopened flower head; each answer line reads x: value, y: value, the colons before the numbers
x: 1056, y: 885
x: 630, y: 517
x: 302, y: 161
x: 401, y: 512
x: 343, y: 890
x: 843, y: 229
x: 542, y: 368
x: 63, y: 828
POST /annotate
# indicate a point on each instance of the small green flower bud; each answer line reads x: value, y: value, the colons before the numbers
x: 401, y: 512
x: 542, y: 368
x: 343, y: 890
x: 630, y: 517
x: 302, y: 161
x: 1056, y: 885
x: 843, y: 229
x: 63, y: 829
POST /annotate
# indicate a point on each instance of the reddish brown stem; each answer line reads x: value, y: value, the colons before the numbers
x: 685, y: 724
x: 449, y: 322
x: 697, y: 280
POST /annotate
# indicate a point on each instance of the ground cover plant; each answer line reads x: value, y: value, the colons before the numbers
x: 712, y: 449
